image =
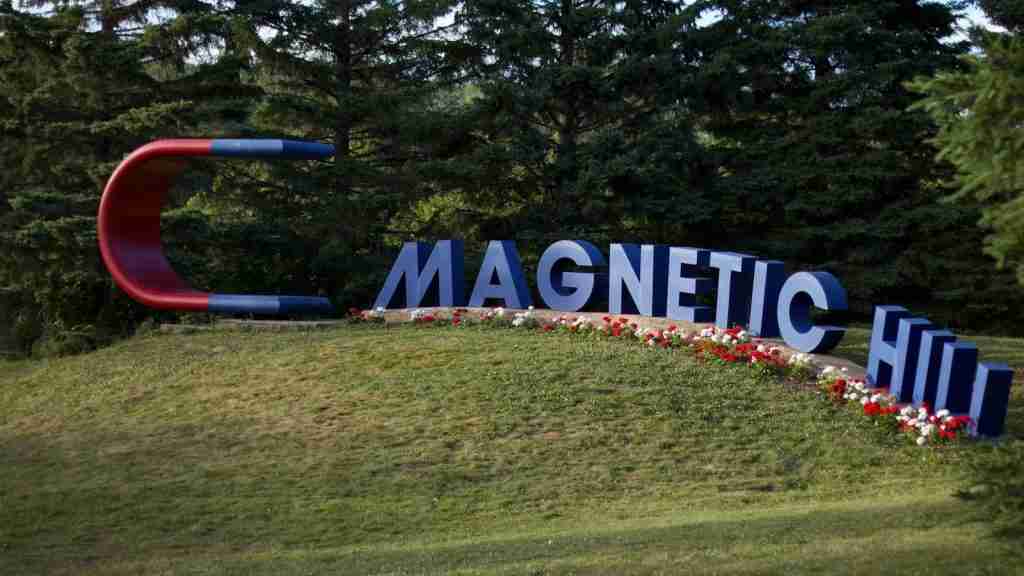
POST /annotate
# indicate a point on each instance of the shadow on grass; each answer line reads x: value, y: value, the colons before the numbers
x: 897, y: 538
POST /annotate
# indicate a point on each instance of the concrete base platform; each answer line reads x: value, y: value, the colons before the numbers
x: 403, y: 315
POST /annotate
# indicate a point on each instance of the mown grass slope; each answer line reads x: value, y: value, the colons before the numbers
x: 404, y: 450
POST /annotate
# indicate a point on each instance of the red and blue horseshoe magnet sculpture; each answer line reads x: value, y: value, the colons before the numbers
x: 128, y: 226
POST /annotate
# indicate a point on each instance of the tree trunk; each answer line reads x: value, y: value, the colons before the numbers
x: 343, y: 119
x: 108, y: 19
x: 568, y: 130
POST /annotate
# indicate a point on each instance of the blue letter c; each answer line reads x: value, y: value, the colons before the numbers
x: 800, y: 291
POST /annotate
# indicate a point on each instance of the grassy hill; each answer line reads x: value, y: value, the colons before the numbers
x: 405, y: 450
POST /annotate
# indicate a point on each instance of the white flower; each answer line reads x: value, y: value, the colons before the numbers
x: 927, y: 429
x: 499, y: 312
x: 828, y: 370
x: 943, y: 413
x: 530, y: 307
x: 742, y: 335
x: 864, y: 400
x: 800, y: 358
x: 845, y: 369
x: 922, y: 440
x: 875, y: 398
x: 761, y: 348
x: 519, y: 321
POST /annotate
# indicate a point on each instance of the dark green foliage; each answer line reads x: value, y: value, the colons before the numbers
x: 582, y: 101
x: 365, y: 85
x: 364, y: 76
x: 979, y: 112
x: 822, y: 164
x: 780, y: 128
x: 73, y: 101
x: 1006, y: 13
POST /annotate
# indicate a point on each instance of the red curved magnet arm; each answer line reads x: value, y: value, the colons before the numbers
x: 128, y: 226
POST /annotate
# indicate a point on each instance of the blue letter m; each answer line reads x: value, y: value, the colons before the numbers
x: 419, y: 265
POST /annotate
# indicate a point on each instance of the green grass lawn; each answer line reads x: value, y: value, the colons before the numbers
x: 404, y: 450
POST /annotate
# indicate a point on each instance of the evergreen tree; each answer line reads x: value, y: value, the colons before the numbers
x: 980, y: 112
x: 1007, y: 13
x: 823, y: 165
x: 74, y: 98
x: 363, y: 75
x: 581, y: 125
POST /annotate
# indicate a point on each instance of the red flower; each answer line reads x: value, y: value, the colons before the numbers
x: 957, y: 422
x: 607, y: 319
x: 837, y: 389
x: 727, y: 356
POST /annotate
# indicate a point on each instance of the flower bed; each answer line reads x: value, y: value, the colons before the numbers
x: 733, y: 346
x: 921, y: 424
